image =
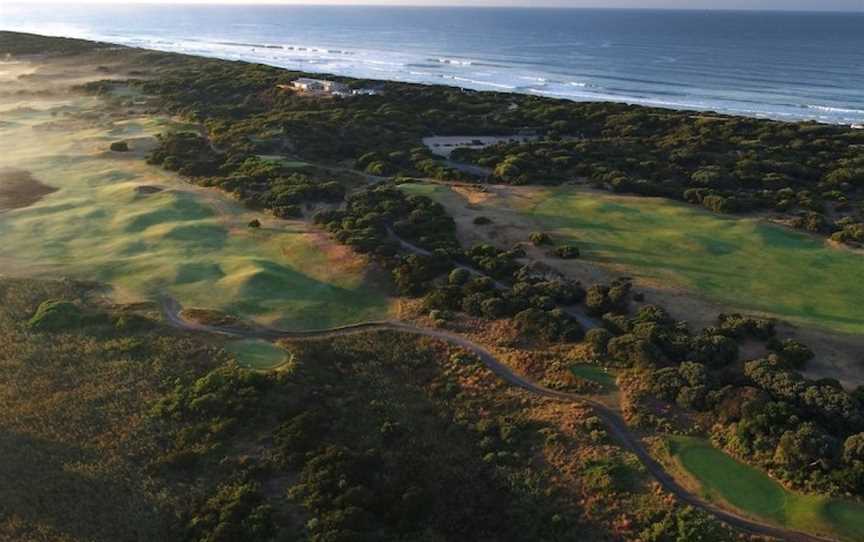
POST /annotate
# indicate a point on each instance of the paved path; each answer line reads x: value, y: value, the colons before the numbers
x: 616, y: 425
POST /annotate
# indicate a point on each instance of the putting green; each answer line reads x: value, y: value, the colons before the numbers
x: 257, y: 354
x: 723, y: 479
x: 114, y: 219
x: 745, y: 263
x: 595, y: 374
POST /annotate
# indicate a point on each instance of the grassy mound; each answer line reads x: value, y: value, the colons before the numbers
x: 191, y: 244
x: 723, y: 479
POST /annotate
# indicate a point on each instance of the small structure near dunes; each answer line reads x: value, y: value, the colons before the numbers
x: 318, y: 86
x: 325, y: 87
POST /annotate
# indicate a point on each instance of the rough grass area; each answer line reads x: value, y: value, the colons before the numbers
x: 724, y: 479
x: 257, y: 354
x: 191, y: 243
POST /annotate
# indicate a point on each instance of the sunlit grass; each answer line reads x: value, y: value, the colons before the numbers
x: 741, y: 261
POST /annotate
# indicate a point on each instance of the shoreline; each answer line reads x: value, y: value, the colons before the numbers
x: 477, y: 70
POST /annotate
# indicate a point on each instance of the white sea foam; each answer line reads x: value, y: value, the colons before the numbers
x: 454, y: 61
x: 555, y: 67
x: 829, y: 109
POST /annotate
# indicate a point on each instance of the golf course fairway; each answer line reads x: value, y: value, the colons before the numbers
x: 743, y: 262
x: 113, y: 219
x: 723, y: 479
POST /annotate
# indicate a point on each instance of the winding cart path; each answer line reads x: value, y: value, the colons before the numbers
x: 616, y: 425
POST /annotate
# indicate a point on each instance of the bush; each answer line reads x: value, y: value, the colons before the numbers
x: 459, y: 276
x: 633, y: 351
x: 793, y: 354
x: 598, y: 339
x: 568, y: 252
x: 482, y: 221
x: 539, y: 238
x: 55, y: 316
x: 255, y: 223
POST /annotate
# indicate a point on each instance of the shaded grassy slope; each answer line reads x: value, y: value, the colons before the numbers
x: 724, y: 479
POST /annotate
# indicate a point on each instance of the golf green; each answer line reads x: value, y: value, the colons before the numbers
x: 724, y: 479
x: 257, y: 354
x: 594, y: 374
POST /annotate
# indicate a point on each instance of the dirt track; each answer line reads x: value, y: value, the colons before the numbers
x: 171, y: 310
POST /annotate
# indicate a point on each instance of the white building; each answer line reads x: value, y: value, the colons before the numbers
x: 319, y: 86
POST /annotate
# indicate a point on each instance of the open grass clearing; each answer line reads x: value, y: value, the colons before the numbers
x: 725, y: 480
x: 188, y: 242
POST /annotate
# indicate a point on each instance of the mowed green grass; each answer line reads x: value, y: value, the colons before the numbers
x: 257, y: 354
x: 186, y: 242
x: 723, y: 479
x: 594, y: 374
x: 745, y: 263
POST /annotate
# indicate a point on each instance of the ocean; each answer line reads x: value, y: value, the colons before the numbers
x: 780, y: 65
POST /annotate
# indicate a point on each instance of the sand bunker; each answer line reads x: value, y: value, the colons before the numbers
x: 18, y: 189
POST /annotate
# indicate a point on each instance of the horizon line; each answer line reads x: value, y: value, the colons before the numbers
x: 397, y: 4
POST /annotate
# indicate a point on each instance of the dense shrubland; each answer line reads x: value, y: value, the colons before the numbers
x: 378, y: 437
x: 809, y: 173
x: 763, y: 411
